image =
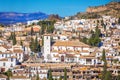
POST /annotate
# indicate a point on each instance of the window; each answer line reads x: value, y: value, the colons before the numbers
x: 3, y: 64
x: 6, y: 55
x: 20, y: 55
x: 2, y: 55
x: 47, y: 37
x: 11, y: 59
x: 11, y: 65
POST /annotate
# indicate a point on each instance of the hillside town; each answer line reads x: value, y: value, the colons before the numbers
x: 79, y: 49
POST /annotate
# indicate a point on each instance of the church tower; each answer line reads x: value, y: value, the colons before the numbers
x: 47, y: 47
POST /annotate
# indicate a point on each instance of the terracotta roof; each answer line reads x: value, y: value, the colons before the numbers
x: 70, y: 43
x: 18, y: 51
x: 3, y: 76
x: 35, y: 28
x: 84, y: 51
x: 19, y: 77
x: 4, y: 59
x: 87, y: 57
x: 8, y: 52
x: 13, y: 57
x: 2, y: 28
x: 49, y: 65
x: 70, y: 55
x: 47, y: 34
x: 79, y: 29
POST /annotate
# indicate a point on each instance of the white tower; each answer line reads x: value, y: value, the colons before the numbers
x: 47, y: 47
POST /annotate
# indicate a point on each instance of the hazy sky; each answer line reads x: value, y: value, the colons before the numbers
x: 61, y: 7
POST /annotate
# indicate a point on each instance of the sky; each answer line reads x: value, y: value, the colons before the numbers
x: 61, y: 7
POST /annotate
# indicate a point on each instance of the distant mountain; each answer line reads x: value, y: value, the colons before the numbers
x: 112, y: 9
x: 14, y: 17
x: 53, y: 17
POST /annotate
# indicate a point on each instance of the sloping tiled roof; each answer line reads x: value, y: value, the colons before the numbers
x: 70, y: 43
x: 4, y: 59
x: 18, y: 51
x: 3, y: 76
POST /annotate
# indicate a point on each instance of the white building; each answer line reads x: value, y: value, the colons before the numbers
x: 47, y: 47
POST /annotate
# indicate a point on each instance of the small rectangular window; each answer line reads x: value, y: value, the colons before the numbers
x: 11, y: 59
x: 47, y: 37
x: 3, y: 64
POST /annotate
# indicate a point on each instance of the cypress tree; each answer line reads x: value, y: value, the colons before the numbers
x: 50, y: 75
x: 35, y: 44
x: 37, y: 78
x: 32, y: 44
x: 32, y: 31
x: 104, y: 73
x: 11, y: 36
x: 21, y: 43
x: 119, y: 20
x: 65, y: 74
x: 14, y: 39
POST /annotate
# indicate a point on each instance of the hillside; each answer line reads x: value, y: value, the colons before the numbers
x: 112, y: 8
x: 53, y: 17
x: 13, y: 17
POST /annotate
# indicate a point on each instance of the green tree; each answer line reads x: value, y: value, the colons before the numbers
x: 36, y: 44
x: 118, y: 77
x: 104, y: 73
x: 21, y: 43
x: 119, y: 20
x: 50, y: 75
x: 37, y: 77
x: 1, y: 25
x: 39, y: 48
x: 14, y: 39
x: 60, y: 78
x: 32, y: 44
x: 94, y: 40
x: 11, y: 36
x: 65, y: 74
x: 32, y: 31
x: 108, y: 76
x: 8, y: 74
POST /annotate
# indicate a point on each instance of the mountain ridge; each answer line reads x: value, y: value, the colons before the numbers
x: 111, y: 9
x: 15, y: 17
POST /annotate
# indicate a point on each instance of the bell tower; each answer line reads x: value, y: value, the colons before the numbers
x: 47, y: 47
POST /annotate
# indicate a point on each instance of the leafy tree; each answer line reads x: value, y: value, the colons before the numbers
x: 108, y: 76
x: 84, y: 40
x: 50, y: 75
x: 65, y: 74
x: 60, y: 78
x: 118, y: 77
x: 8, y: 74
x: 1, y: 25
x: 94, y: 40
x: 47, y: 26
